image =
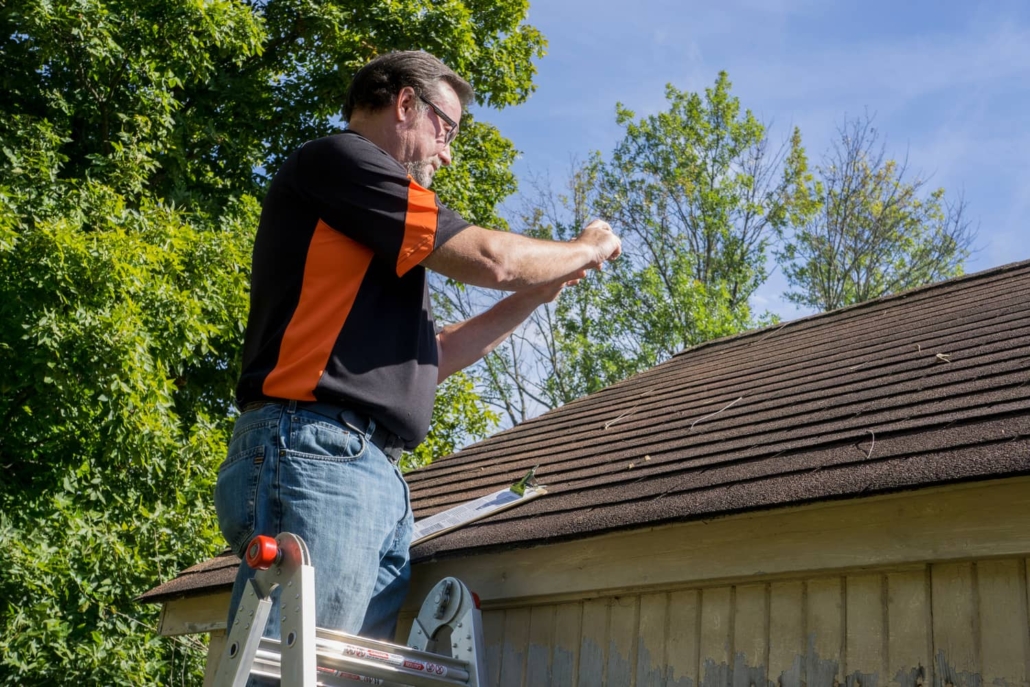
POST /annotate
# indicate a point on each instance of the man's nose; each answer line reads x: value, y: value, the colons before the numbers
x: 445, y: 155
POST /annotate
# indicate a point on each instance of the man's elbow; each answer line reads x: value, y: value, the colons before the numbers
x: 482, y: 259
x: 500, y: 268
x: 444, y: 361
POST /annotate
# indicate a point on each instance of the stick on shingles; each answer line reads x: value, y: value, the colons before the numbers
x: 727, y: 406
x: 869, y: 453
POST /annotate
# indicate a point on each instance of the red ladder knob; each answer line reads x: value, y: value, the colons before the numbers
x: 262, y: 552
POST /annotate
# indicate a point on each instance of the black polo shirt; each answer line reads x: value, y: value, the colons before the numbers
x: 339, y: 304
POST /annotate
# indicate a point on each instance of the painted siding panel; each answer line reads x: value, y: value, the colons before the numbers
x: 787, y: 634
x: 750, y: 635
x: 565, y: 660
x: 541, y: 643
x: 493, y: 637
x: 716, y: 636
x: 909, y: 623
x: 684, y: 639
x: 866, y: 638
x: 1003, y: 622
x: 944, y: 625
x: 594, y: 641
x: 651, y: 657
x: 954, y: 625
x: 825, y: 628
x: 622, y: 640
x: 516, y: 647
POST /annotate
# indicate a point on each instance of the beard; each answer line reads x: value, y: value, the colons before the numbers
x: 422, y: 171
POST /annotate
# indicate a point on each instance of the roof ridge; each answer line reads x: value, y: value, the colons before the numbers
x: 944, y: 283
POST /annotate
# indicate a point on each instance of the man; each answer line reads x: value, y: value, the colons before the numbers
x: 341, y: 358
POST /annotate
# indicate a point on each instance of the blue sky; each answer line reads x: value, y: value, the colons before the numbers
x: 948, y: 83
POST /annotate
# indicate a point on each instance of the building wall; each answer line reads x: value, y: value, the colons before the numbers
x: 914, y: 589
x: 961, y: 624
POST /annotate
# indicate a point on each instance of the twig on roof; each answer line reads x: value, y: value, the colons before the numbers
x: 628, y: 412
x: 773, y: 331
x: 727, y: 406
x: 870, y: 451
x: 943, y: 357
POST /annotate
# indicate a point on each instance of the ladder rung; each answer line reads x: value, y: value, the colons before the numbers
x: 375, y: 659
x: 269, y: 666
x: 331, y: 637
x: 326, y: 678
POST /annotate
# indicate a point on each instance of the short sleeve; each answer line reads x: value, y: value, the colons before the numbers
x: 362, y: 192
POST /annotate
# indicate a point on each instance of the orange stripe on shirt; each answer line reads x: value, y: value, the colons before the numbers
x: 333, y: 272
x: 419, y: 228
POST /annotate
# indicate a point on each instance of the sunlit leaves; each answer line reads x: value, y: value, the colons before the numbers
x: 877, y: 230
x: 135, y: 140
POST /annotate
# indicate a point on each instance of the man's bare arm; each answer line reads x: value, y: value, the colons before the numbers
x: 511, y: 262
x: 463, y: 343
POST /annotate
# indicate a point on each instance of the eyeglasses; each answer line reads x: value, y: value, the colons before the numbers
x: 451, y: 133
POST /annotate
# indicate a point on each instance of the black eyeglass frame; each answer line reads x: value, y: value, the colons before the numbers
x: 452, y: 133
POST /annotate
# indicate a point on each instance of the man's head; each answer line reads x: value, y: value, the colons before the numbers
x: 409, y: 103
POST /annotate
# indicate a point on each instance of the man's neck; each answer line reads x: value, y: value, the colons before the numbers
x: 379, y: 132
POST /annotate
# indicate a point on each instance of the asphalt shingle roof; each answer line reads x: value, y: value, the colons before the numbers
x: 923, y: 388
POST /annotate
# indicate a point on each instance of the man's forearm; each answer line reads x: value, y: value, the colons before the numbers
x: 510, y: 262
x: 464, y: 343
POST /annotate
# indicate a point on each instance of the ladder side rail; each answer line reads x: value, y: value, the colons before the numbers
x: 244, y: 637
x: 468, y: 643
x: 297, y: 620
x: 364, y: 672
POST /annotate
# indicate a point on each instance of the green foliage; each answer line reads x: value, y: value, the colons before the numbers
x: 120, y: 320
x: 876, y: 232
x: 201, y: 101
x: 696, y: 197
x: 695, y: 187
x: 134, y: 142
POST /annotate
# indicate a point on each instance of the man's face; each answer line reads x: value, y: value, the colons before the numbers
x: 428, y: 148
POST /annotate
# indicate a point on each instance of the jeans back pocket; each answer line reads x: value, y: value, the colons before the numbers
x: 236, y: 496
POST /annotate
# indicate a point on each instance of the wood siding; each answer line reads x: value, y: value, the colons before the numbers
x: 955, y: 624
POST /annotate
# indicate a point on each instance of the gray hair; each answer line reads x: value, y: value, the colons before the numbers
x: 377, y: 84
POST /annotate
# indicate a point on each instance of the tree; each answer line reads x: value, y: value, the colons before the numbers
x: 119, y: 323
x: 135, y: 141
x: 697, y: 196
x: 877, y: 232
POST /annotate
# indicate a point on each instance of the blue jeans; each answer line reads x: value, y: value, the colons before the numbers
x: 291, y: 470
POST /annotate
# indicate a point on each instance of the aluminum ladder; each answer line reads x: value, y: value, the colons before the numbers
x: 308, y: 656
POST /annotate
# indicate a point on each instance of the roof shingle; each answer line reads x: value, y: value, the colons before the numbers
x: 923, y: 388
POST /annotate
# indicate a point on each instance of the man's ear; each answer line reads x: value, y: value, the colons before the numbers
x: 406, y: 107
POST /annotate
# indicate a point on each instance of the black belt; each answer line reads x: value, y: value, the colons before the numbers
x: 388, y: 442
